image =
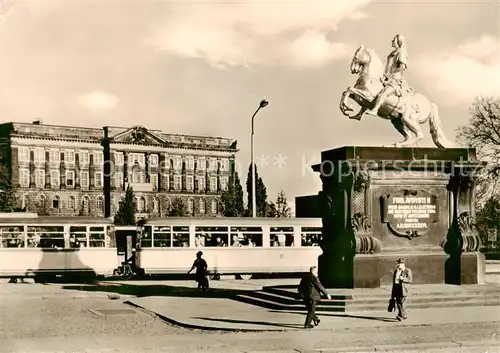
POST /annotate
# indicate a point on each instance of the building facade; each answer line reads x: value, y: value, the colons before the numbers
x: 62, y: 170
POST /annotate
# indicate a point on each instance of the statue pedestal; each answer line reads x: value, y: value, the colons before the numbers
x: 379, y: 204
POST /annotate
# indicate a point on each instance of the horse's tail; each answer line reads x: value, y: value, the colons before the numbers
x: 437, y: 132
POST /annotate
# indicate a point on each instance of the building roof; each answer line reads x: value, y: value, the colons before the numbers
x: 131, y: 135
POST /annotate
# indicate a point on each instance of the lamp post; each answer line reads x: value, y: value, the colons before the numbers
x: 262, y: 104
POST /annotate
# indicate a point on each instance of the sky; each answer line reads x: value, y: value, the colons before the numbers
x: 202, y: 67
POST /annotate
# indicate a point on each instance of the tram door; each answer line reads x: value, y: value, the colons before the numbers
x: 126, y: 242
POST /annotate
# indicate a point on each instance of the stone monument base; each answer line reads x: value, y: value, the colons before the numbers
x: 379, y: 204
x: 427, y: 268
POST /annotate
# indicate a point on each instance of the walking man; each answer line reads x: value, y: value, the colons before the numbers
x: 400, y: 287
x: 310, y: 290
x: 201, y: 271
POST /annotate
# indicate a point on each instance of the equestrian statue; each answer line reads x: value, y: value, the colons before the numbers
x: 386, y: 94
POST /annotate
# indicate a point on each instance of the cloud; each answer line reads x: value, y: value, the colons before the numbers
x: 242, y: 33
x: 98, y: 101
x: 461, y: 74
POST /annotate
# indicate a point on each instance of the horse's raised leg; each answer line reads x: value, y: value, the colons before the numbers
x: 412, y: 124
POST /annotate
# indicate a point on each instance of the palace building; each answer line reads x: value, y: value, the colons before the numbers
x: 62, y: 170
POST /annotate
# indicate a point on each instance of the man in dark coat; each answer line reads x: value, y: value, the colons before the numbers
x: 201, y: 271
x: 400, y: 286
x: 310, y: 290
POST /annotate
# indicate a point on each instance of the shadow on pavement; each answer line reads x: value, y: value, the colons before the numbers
x: 377, y: 318
x: 250, y: 322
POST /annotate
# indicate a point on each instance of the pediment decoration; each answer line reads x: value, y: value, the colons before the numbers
x: 138, y: 135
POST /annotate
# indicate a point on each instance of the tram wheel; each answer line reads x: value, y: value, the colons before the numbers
x: 244, y: 277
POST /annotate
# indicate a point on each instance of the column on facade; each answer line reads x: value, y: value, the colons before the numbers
x: 91, y: 170
x: 146, y: 166
x: 46, y: 166
x: 125, y: 168
x: 62, y: 171
x: 161, y: 171
x: 77, y: 171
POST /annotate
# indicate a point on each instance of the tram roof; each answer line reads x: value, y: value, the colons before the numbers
x: 235, y: 221
x: 58, y: 220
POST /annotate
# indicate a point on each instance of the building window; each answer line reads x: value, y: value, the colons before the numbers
x: 98, y: 179
x: 55, y: 156
x: 213, y: 184
x: 24, y: 154
x: 119, y: 158
x: 72, y: 203
x: 214, y: 206
x: 86, y: 204
x: 98, y: 158
x: 153, y: 159
x: 24, y: 177
x: 213, y: 164
x: 84, y: 179
x: 40, y: 178
x: 118, y: 180
x: 190, y: 206
x: 154, y: 180
x: 136, y: 177
x: 39, y: 155
x: 201, y: 164
x: 100, y: 204
x: 70, y: 178
x: 202, y: 206
x: 141, y: 204
x: 84, y: 158
x: 167, y: 182
x: 223, y: 183
x: 178, y: 163
x: 190, y: 163
x: 69, y: 157
x: 201, y: 184
x: 189, y: 183
x: 224, y: 164
x: 156, y: 205
x: 177, y: 182
x: 56, y: 202
x: 26, y: 202
x: 55, y: 178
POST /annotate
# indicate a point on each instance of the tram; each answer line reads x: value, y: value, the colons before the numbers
x: 45, y: 246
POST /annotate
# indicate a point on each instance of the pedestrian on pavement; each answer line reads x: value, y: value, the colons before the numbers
x: 201, y: 271
x: 310, y: 290
x: 400, y: 287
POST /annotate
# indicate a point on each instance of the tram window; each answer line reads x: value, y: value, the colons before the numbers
x: 180, y: 236
x: 311, y: 236
x: 145, y: 239
x: 97, y: 237
x: 12, y: 237
x: 211, y: 236
x: 78, y: 237
x: 48, y: 236
x: 281, y: 236
x: 162, y: 237
x: 246, y: 236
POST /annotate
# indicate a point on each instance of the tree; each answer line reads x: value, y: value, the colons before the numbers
x: 271, y: 210
x: 126, y: 211
x: 179, y: 208
x: 8, y: 198
x: 282, y: 208
x: 260, y: 190
x: 232, y: 199
x: 488, y: 218
x: 483, y: 133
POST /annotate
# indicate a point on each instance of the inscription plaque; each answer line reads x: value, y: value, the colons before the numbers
x: 409, y: 214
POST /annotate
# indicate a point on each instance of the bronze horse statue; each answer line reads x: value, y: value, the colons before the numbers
x: 406, y: 112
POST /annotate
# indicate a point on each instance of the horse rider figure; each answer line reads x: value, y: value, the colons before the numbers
x: 393, y: 82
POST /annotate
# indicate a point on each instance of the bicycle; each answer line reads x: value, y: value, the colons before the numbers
x: 124, y: 271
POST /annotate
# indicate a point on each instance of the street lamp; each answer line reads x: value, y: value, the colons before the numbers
x: 262, y: 104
